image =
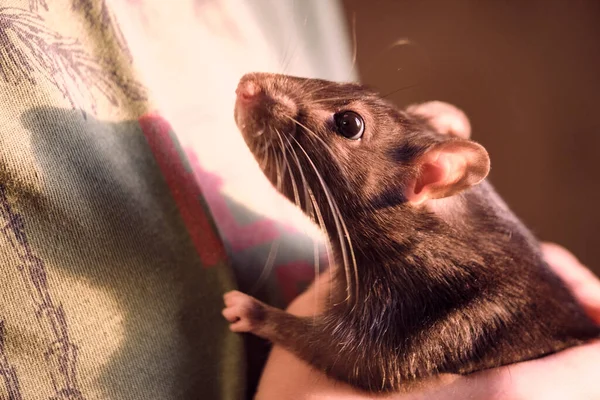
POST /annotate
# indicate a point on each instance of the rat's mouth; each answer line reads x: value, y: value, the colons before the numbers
x: 247, y: 123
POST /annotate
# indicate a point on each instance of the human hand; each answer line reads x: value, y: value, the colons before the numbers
x: 570, y: 374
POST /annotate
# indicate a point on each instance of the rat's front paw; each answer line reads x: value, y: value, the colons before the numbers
x: 244, y: 312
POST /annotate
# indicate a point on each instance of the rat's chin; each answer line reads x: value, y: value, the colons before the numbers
x: 247, y: 124
x: 251, y: 131
x: 258, y: 129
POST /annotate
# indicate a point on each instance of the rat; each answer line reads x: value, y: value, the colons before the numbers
x: 432, y: 273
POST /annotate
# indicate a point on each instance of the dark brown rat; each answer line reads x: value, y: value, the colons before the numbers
x: 434, y: 273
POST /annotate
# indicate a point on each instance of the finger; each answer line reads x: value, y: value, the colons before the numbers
x: 562, y: 259
x: 584, y: 284
x: 569, y: 268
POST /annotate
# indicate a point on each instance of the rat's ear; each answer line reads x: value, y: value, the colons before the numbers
x: 445, y: 118
x: 446, y: 169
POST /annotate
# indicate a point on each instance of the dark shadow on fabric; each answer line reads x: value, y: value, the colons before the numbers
x: 108, y: 211
x: 249, y: 265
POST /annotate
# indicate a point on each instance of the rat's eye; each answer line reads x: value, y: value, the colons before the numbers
x: 349, y: 124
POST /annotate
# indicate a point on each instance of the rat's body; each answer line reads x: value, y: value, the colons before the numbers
x: 438, y: 275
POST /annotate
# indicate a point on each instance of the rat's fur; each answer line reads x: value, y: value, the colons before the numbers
x: 432, y: 292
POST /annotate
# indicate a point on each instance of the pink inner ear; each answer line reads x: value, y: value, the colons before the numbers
x: 447, y: 170
x: 431, y: 174
x: 439, y: 171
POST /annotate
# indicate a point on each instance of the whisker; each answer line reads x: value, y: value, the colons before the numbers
x: 267, y: 152
x: 308, y: 94
x: 315, y: 213
x: 293, y: 52
x: 305, y: 186
x: 289, y: 169
x: 331, y: 99
x: 279, y: 182
x: 312, y: 134
x: 268, y: 267
x: 336, y: 218
x: 287, y: 53
x: 335, y: 210
x: 321, y: 223
x: 265, y: 162
x: 354, y: 44
x: 314, y: 137
x: 402, y: 88
x: 351, y: 248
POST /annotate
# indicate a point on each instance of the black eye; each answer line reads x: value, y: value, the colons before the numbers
x: 349, y: 124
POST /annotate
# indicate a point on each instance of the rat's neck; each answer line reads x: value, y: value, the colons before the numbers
x: 408, y: 264
x: 419, y: 253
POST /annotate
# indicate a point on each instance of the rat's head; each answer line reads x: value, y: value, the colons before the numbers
x: 320, y: 139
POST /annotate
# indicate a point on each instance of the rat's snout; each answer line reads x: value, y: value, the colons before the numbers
x: 264, y: 104
x: 248, y: 91
x: 251, y: 111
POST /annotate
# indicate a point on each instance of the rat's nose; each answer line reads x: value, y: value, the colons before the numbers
x: 247, y: 91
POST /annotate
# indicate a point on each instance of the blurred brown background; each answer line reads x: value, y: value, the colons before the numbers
x: 527, y: 73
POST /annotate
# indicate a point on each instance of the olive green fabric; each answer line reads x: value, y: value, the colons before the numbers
x: 107, y: 291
